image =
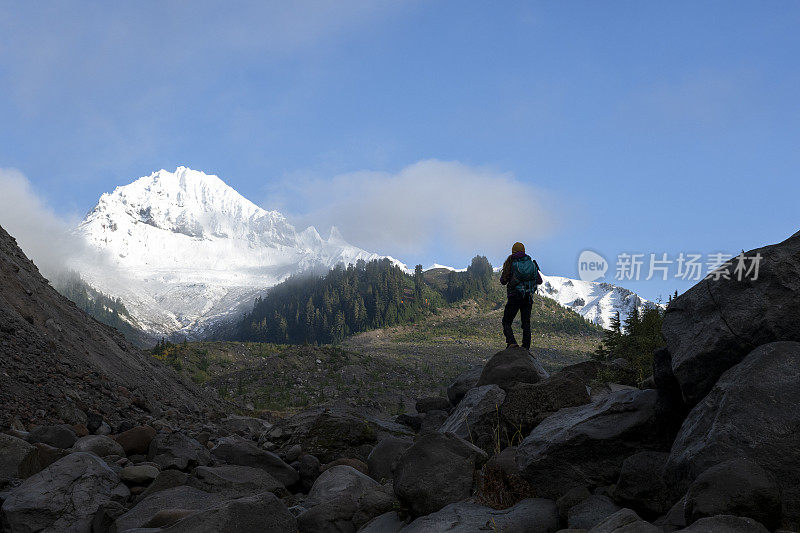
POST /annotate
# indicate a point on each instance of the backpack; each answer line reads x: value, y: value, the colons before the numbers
x: 525, y: 272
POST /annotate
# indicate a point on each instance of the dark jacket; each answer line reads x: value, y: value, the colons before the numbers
x: 507, y: 275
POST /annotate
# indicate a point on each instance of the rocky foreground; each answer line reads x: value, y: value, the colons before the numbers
x: 710, y: 444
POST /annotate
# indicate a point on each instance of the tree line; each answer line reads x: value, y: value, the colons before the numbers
x: 366, y: 295
x: 103, y: 308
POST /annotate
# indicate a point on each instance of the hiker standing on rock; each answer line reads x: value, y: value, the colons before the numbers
x: 520, y: 276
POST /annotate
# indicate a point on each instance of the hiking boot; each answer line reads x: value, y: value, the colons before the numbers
x: 512, y: 345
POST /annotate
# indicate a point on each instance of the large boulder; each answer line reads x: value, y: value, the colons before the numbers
x: 586, y: 371
x: 64, y: 496
x: 464, y: 382
x: 262, y: 512
x: 590, y: 512
x: 234, y: 481
x: 139, y: 474
x: 58, y: 436
x: 675, y: 519
x: 750, y: 413
x: 726, y: 524
x: 333, y: 433
x: 339, y: 481
x: 332, y: 516
x: 166, y: 479
x: 238, y: 451
x: 381, y: 459
x: 624, y: 521
x: 641, y: 485
x: 527, y: 404
x: 512, y: 365
x: 586, y: 445
x: 176, y: 450
x: 534, y: 515
x: 736, y: 487
x: 185, y: 498
x: 345, y: 512
x: 308, y: 467
x: 245, y: 426
x: 716, y: 323
x: 386, y: 523
x: 136, y: 441
x: 477, y: 418
x: 438, y: 469
x: 18, y: 459
x: 100, y: 445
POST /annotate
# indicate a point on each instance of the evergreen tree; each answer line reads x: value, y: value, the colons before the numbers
x: 611, y: 338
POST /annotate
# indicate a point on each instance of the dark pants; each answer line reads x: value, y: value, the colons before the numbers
x: 521, y: 304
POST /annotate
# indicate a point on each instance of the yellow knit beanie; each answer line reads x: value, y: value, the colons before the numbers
x: 518, y: 247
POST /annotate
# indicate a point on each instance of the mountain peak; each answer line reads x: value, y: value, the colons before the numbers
x: 195, y: 248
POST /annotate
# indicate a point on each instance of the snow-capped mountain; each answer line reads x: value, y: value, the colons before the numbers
x: 595, y: 301
x: 184, y: 249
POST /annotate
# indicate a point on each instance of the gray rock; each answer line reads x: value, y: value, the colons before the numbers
x: 476, y: 418
x: 716, y: 323
x: 641, y: 484
x: 105, y: 516
x: 382, y: 458
x: 386, y: 523
x: 293, y: 453
x: 590, y: 512
x: 332, y: 433
x: 749, y: 414
x: 527, y: 404
x: 93, y: 421
x: 371, y: 504
x: 338, y: 481
x: 737, y: 487
x: 432, y: 403
x: 570, y: 499
x: 237, y: 451
x: 675, y: 519
x: 136, y: 440
x: 464, y: 382
x: 138, y: 474
x: 725, y: 524
x: 332, y: 516
x: 624, y: 521
x: 528, y: 516
x: 512, y: 365
x: 166, y: 479
x: 176, y: 450
x: 585, y: 446
x: 245, y: 426
x: 261, y: 512
x: 100, y: 445
x: 438, y: 469
x: 308, y: 468
x: 188, y: 498
x: 234, y: 481
x: 58, y: 436
x: 18, y: 459
x: 64, y: 496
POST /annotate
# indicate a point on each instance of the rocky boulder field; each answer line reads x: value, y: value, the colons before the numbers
x: 713, y: 445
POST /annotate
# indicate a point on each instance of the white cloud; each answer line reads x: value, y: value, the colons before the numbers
x: 428, y: 205
x: 43, y: 236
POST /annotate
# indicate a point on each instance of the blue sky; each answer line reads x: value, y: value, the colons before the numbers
x: 619, y: 126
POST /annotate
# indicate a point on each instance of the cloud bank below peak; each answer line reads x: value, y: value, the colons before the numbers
x: 427, y: 206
